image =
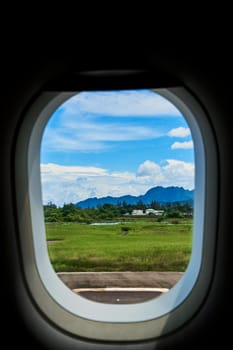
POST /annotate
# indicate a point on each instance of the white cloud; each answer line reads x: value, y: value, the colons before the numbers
x: 113, y: 132
x: 179, y: 132
x: 182, y: 145
x: 178, y: 168
x: 148, y: 168
x: 64, y: 184
x: 64, y: 140
x: 173, y: 173
x: 80, y: 135
x: 78, y: 124
x: 121, y: 103
x: 71, y: 172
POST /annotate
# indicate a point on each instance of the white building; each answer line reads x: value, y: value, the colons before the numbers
x: 148, y: 212
x: 154, y: 212
x: 138, y: 212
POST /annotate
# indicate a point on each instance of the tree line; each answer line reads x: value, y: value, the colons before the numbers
x: 106, y: 212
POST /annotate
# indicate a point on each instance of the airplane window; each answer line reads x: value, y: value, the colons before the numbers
x: 117, y: 174
x: 116, y: 183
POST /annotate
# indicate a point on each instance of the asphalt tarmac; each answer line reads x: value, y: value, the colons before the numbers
x: 120, y: 287
x: 117, y: 297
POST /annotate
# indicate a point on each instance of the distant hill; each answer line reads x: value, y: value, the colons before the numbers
x: 159, y: 194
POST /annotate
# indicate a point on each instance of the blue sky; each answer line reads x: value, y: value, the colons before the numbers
x: 114, y: 143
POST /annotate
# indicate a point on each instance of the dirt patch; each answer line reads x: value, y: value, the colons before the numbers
x: 53, y: 241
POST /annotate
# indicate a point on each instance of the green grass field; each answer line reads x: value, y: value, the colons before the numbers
x: 140, y: 245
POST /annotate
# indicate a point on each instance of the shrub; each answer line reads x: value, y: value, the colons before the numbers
x: 125, y: 230
x: 175, y: 222
x: 160, y: 219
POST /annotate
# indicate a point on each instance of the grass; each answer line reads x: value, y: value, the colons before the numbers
x: 140, y: 245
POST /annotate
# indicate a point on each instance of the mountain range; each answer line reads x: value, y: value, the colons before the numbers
x: 159, y: 194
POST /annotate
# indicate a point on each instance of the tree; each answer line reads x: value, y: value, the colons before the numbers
x: 68, y: 212
x: 140, y: 205
x: 155, y: 205
x: 52, y: 213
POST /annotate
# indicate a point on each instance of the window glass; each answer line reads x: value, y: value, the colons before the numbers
x: 117, y: 174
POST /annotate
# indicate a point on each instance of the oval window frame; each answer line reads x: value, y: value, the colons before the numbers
x: 100, y: 321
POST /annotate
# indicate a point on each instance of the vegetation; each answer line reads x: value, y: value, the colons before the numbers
x: 134, y: 245
x: 71, y: 213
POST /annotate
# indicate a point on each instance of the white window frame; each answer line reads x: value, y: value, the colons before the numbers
x: 80, y: 316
